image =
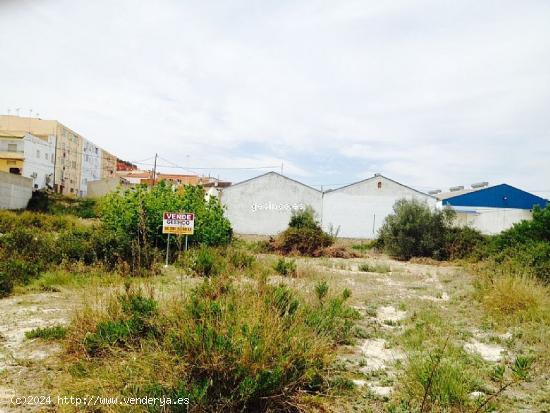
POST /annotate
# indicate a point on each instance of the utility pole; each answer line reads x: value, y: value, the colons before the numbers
x: 155, y: 170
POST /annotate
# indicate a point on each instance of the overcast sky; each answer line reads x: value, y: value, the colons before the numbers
x: 430, y: 93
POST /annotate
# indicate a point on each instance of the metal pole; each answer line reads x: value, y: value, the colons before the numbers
x: 167, y: 250
x: 186, y: 243
x: 155, y: 171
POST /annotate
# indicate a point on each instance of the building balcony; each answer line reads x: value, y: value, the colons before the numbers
x: 19, y: 155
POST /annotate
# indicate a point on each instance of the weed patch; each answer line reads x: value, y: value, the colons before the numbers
x: 47, y: 333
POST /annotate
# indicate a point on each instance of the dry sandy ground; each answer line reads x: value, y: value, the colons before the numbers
x: 385, y: 300
x: 27, y: 365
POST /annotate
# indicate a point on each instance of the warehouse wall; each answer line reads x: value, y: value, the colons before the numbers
x: 360, y: 209
x: 491, y: 221
x: 15, y: 191
x: 264, y: 205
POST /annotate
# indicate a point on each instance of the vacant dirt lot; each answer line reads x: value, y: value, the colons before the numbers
x: 388, y: 297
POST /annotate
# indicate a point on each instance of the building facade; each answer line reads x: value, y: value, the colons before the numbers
x: 493, y: 209
x: 29, y: 156
x: 263, y: 205
x: 69, y: 152
x: 359, y: 210
x: 91, y: 165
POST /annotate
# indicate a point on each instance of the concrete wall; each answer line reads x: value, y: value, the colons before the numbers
x: 101, y: 187
x: 264, y: 205
x: 490, y: 221
x: 15, y: 191
x: 359, y: 210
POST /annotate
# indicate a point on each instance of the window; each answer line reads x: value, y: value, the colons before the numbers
x: 73, y: 164
x: 379, y: 185
x: 46, y: 156
x: 12, y: 147
x: 87, y: 158
x: 37, y: 153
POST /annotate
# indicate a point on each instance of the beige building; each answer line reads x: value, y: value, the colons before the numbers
x: 69, y: 151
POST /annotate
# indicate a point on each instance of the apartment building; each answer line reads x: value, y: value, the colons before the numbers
x: 77, y: 160
x: 29, y: 156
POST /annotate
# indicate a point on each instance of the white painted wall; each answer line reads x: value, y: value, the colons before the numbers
x: 15, y: 191
x: 91, y: 165
x: 361, y: 208
x: 39, y: 158
x: 263, y: 205
x: 490, y: 221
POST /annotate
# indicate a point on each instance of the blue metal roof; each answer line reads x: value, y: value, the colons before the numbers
x: 498, y: 196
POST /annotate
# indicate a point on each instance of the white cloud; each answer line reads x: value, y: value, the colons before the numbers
x: 429, y: 92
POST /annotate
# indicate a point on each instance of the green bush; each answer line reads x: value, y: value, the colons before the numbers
x: 379, y: 268
x: 51, y: 203
x: 227, y: 347
x: 137, y: 212
x: 240, y: 259
x: 6, y: 284
x: 304, y: 235
x: 414, y: 230
x: 523, y: 249
x: 286, y: 268
x: 47, y: 333
x: 132, y: 323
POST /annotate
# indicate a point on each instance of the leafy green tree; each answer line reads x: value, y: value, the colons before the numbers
x: 414, y: 230
x: 136, y: 214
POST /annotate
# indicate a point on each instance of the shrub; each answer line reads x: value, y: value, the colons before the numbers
x: 413, y: 230
x: 303, y: 236
x: 138, y: 211
x: 442, y: 377
x: 240, y: 259
x: 226, y: 347
x: 462, y: 242
x: 132, y: 320
x: 47, y: 333
x: 48, y: 202
x: 286, y: 267
x: 379, y: 268
x: 6, y: 284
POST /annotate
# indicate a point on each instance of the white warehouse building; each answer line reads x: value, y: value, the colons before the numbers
x: 263, y: 205
x: 358, y: 210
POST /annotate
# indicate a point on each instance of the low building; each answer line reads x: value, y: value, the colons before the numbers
x: 29, y: 156
x: 493, y: 209
x: 358, y: 210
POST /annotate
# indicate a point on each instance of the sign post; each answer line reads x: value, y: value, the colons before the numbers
x: 179, y: 224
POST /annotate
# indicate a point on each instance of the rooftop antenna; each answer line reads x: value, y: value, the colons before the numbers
x: 282, y: 165
x: 17, y: 110
x: 30, y: 119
